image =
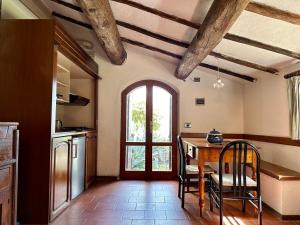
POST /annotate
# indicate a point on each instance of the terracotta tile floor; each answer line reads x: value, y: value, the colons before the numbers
x: 151, y: 203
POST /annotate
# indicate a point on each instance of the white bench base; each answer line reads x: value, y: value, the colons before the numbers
x: 282, y: 196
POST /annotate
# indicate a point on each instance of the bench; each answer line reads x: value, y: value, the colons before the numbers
x: 280, y: 190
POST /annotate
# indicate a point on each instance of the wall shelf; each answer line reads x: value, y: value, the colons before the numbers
x: 59, y: 83
x: 63, y: 84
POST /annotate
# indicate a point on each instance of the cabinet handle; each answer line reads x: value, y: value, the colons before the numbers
x: 74, y: 151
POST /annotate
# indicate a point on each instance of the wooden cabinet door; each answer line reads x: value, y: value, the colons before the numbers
x: 60, y: 174
x: 6, y: 196
x: 91, y: 158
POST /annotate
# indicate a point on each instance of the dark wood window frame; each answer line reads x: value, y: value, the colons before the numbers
x: 148, y: 174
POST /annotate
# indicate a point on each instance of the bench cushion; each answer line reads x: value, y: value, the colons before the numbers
x: 228, y: 180
x: 278, y: 172
x: 193, y: 169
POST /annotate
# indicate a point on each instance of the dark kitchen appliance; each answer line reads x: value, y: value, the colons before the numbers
x: 78, y: 166
x: 77, y: 129
x: 214, y: 137
x: 78, y: 100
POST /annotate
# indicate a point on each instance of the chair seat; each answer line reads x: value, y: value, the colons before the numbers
x: 228, y: 180
x: 193, y: 169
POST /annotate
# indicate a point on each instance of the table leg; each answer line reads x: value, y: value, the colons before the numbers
x: 201, y: 183
x: 253, y: 165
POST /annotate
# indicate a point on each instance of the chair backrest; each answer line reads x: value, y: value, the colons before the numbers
x: 240, y: 150
x: 182, y: 158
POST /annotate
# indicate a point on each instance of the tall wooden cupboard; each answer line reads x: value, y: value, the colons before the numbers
x: 28, y: 88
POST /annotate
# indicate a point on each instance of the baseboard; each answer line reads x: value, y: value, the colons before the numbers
x: 107, y: 178
x: 279, y: 215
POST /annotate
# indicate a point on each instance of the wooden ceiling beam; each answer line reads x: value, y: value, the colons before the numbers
x: 69, y: 5
x: 293, y: 74
x: 88, y: 26
x: 71, y: 20
x: 220, y: 17
x: 273, y: 12
x: 158, y: 13
x: 228, y: 36
x: 261, y: 45
x: 103, y: 22
x: 211, y: 67
x: 186, y: 44
x: 171, y: 41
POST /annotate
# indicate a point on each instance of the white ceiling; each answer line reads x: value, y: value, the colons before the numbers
x: 250, y: 25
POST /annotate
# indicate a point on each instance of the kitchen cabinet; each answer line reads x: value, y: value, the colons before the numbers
x: 60, y: 183
x: 9, y: 137
x: 91, y: 158
x: 29, y: 83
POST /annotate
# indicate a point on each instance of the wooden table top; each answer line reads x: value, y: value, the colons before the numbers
x: 203, y: 143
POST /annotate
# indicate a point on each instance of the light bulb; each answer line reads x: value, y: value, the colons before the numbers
x: 218, y: 83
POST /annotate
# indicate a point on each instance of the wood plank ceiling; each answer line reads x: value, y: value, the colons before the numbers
x: 258, y: 38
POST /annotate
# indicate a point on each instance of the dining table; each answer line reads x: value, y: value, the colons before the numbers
x: 204, y: 152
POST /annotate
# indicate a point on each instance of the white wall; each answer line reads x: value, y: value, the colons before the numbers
x: 81, y: 116
x: 14, y: 9
x: 223, y: 109
x: 266, y: 113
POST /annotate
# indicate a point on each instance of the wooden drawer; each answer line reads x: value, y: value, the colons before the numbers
x: 5, y: 177
x: 6, y: 142
x: 191, y: 151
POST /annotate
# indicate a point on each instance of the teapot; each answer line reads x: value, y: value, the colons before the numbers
x: 214, y: 137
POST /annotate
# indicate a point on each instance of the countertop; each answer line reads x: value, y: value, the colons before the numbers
x: 9, y: 124
x: 72, y: 133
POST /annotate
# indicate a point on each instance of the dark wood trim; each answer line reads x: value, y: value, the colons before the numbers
x: 203, y: 135
x: 277, y: 214
x: 0, y: 9
x: 272, y: 139
x: 149, y: 174
x: 293, y: 74
x: 272, y: 12
x: 290, y: 217
x: 186, y: 45
x: 215, y: 68
x: 278, y: 172
x: 253, y: 137
x: 144, y: 143
x: 107, y: 178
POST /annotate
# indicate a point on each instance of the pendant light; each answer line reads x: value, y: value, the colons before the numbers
x: 219, y: 83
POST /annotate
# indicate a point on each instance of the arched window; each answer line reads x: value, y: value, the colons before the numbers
x: 148, y: 131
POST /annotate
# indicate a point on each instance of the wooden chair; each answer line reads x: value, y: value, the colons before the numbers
x: 188, y: 174
x: 236, y: 186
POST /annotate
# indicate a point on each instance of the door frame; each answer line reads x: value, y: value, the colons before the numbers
x: 148, y: 175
